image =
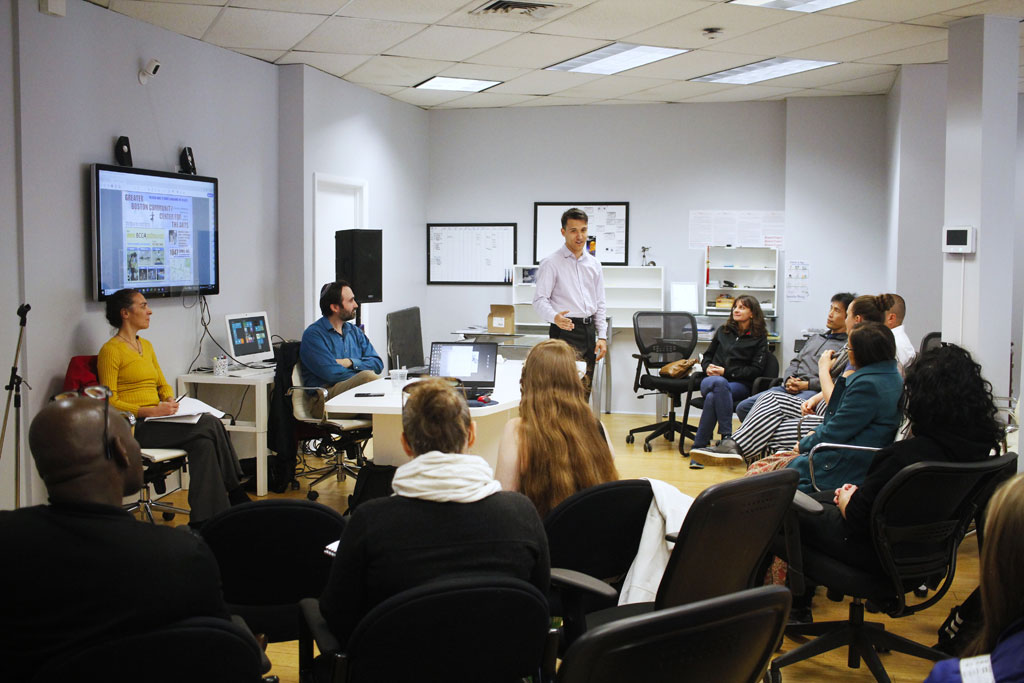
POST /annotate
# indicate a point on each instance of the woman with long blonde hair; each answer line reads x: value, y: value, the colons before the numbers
x: 556, y: 446
x: 999, y: 648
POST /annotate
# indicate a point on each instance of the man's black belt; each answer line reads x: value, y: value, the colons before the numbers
x: 589, y: 320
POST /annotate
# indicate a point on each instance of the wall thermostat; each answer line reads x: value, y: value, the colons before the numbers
x: 959, y: 239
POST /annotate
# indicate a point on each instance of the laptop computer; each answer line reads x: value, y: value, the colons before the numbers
x: 475, y: 363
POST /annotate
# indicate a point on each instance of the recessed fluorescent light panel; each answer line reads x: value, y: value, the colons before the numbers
x: 460, y: 84
x: 615, y: 58
x: 763, y: 71
x: 794, y: 5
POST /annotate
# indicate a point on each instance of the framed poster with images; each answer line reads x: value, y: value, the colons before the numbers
x: 608, y: 222
x: 470, y: 253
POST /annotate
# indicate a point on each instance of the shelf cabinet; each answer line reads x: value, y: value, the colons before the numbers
x: 751, y: 270
x: 627, y: 289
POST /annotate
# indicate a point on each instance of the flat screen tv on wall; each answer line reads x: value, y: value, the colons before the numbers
x: 153, y: 231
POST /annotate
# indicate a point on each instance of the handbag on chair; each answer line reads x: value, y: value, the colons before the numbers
x: 678, y: 369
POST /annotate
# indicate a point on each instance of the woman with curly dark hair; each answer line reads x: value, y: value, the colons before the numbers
x: 952, y: 418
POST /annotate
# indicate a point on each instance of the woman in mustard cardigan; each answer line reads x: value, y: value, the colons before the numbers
x: 128, y: 366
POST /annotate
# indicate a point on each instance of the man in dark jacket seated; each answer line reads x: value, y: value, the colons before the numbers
x: 81, y: 570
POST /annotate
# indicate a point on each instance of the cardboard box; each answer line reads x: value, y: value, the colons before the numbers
x: 502, y: 319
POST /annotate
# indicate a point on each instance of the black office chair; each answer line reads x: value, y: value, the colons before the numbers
x: 718, y: 550
x: 930, y: 341
x: 728, y: 638
x: 271, y: 555
x: 472, y: 628
x: 596, y: 532
x: 917, y: 523
x: 340, y: 442
x: 661, y: 338
x: 195, y: 649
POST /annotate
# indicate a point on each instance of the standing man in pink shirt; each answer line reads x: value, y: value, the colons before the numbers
x: 570, y: 294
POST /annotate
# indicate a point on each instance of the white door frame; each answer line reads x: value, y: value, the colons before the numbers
x: 325, y: 184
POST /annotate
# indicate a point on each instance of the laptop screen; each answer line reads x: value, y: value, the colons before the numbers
x: 249, y: 337
x: 475, y: 363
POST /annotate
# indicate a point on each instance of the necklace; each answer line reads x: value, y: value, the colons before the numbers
x: 135, y: 345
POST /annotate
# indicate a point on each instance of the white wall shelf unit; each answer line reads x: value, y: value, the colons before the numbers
x: 627, y: 289
x: 752, y: 270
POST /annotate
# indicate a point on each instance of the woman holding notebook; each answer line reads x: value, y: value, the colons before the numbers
x: 127, y: 365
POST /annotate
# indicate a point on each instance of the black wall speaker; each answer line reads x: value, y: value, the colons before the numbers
x: 358, y: 262
x: 187, y: 161
x: 123, y: 151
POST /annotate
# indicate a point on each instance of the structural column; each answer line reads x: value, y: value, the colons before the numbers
x: 981, y: 147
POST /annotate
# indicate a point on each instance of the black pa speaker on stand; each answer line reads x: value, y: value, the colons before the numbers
x: 358, y: 256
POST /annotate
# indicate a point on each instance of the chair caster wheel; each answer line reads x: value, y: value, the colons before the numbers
x: 630, y: 438
x: 670, y: 437
x: 772, y: 676
x: 647, y: 447
x: 168, y: 516
x: 294, y: 485
x: 921, y: 591
x: 313, y: 495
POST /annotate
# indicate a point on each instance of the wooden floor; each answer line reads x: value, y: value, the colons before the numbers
x: 665, y: 463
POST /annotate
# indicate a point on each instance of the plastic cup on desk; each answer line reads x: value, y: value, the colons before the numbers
x: 399, y: 378
x: 220, y: 366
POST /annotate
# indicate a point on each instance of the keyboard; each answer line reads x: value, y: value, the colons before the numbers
x: 242, y: 371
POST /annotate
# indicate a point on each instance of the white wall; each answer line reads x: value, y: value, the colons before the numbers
x: 10, y: 266
x: 352, y: 132
x: 836, y: 214
x: 917, y: 163
x: 79, y: 92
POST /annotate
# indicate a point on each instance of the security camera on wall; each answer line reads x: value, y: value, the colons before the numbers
x: 151, y: 69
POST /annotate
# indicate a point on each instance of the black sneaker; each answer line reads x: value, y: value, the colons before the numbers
x: 726, y: 448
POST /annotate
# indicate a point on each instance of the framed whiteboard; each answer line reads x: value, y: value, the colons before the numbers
x: 470, y: 253
x: 607, y: 221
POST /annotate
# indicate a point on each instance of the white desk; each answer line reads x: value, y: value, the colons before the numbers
x: 260, y: 384
x: 387, y: 415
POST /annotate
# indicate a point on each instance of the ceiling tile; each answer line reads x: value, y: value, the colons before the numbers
x: 382, y: 89
x: 555, y: 101
x: 678, y: 91
x: 101, y: 3
x: 892, y: 10
x: 188, y: 20
x: 804, y: 31
x: 831, y: 74
x: 259, y: 29
x: 214, y: 3
x: 418, y: 11
x: 450, y: 42
x: 1007, y: 8
x: 485, y: 72
x: 396, y: 71
x: 426, y: 98
x: 815, y: 92
x: 687, y: 31
x: 613, y: 19
x: 880, y: 41
x: 693, y: 64
x: 929, y: 53
x: 265, y: 55
x: 504, y: 22
x: 536, y: 51
x: 485, y: 100
x: 301, y: 6
x: 742, y: 93
x: 939, y: 20
x: 882, y: 83
x: 345, y: 35
x: 337, y: 65
x: 613, y: 86
x: 544, y: 82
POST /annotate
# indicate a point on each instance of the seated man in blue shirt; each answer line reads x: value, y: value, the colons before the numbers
x: 335, y: 353
x: 802, y: 373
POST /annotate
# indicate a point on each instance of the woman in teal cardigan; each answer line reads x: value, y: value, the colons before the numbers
x: 863, y: 411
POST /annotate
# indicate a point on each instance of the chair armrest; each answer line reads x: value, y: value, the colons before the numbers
x: 763, y: 384
x: 672, y: 536
x: 573, y: 580
x: 804, y: 503
x: 313, y: 628
x: 824, y: 444
x: 264, y: 660
x: 321, y: 390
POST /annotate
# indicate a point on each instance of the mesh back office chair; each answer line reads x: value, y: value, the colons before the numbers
x: 158, y: 463
x: 728, y: 638
x: 337, y: 437
x: 917, y: 523
x: 661, y: 338
x: 930, y: 341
